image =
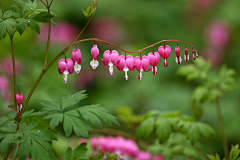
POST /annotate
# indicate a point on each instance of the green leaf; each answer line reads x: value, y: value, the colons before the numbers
x: 145, y: 128
x: 22, y: 26
x: 214, y: 94
x: 5, y: 142
x: 11, y: 106
x: 3, y: 119
x: 20, y: 9
x: 13, y: 114
x: 234, y: 153
x: 56, y: 120
x: 100, y: 112
x: 34, y: 26
x: 26, y: 113
x: 70, y: 100
x: 68, y: 155
x: 42, y: 17
x: 3, y: 30
x: 79, y: 151
x: 35, y: 144
x: 72, y: 115
x: 201, y: 93
x: 32, y: 4
x: 85, y: 13
x: 54, y: 23
x: 194, y: 134
x: 1, y: 12
x: 163, y: 129
x: 7, y: 14
x: 50, y: 105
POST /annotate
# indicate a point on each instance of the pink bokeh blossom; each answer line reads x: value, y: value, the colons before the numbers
x: 63, y: 35
x: 7, y: 67
x: 4, y: 88
x: 107, y: 28
x: 218, y: 34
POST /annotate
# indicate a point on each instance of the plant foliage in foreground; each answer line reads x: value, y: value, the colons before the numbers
x: 35, y: 136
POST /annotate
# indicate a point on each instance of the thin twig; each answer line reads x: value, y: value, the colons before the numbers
x: 2, y: 7
x: 201, y: 151
x: 99, y: 40
x: 223, y: 132
x: 7, y: 152
x: 14, y: 75
x: 50, y: 3
x: 209, y: 146
x: 43, y: 3
x: 48, y: 41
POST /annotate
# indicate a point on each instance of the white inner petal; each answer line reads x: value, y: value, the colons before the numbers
x: 126, y: 76
x: 111, y: 70
x: 65, y: 77
x: 77, y: 67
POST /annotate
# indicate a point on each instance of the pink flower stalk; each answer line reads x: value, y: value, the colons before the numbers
x: 142, y: 65
x: 65, y: 67
x: 144, y: 156
x: 153, y: 60
x: 19, y: 98
x: 110, y: 59
x: 125, y: 64
x: 178, y: 58
x: 76, y: 57
x: 158, y: 157
x: 186, y: 55
x: 164, y: 53
x: 94, y: 52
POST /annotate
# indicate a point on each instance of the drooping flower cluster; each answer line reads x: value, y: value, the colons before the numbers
x: 125, y: 63
x: 124, y: 148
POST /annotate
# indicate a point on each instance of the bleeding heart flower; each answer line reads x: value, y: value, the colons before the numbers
x: 142, y: 65
x: 94, y: 52
x: 125, y: 64
x: 76, y: 57
x: 178, y: 58
x: 110, y: 59
x: 65, y: 67
x: 153, y: 60
x: 194, y: 57
x: 165, y: 53
x: 19, y: 98
x: 186, y: 56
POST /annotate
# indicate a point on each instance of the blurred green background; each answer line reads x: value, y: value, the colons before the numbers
x: 212, y: 26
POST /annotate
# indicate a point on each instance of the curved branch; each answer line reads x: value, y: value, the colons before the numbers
x: 99, y: 40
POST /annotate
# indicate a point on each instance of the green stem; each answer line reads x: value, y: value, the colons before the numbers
x: 1, y: 7
x: 7, y: 152
x: 48, y: 42
x: 201, y: 151
x: 63, y: 52
x: 223, y: 132
x: 209, y: 146
x: 14, y: 75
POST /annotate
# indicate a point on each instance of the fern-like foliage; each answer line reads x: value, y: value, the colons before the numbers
x: 74, y: 116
